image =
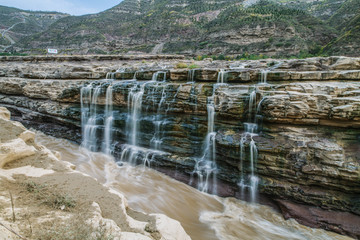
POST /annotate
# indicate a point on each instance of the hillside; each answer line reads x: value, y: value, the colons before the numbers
x: 16, y: 24
x: 343, y: 15
x: 347, y: 21
x: 272, y: 28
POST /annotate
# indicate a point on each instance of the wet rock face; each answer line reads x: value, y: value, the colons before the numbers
x: 309, y: 127
x: 303, y: 162
x: 312, y: 216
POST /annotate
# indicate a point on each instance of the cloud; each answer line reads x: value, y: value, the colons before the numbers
x: 51, y: 5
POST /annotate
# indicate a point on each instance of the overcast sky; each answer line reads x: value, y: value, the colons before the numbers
x: 74, y: 7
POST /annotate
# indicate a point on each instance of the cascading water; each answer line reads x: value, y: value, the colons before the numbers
x: 251, y: 181
x: 252, y: 103
x: 222, y: 76
x: 263, y: 75
x: 134, y: 108
x: 250, y: 131
x: 132, y: 152
x: 156, y: 139
x: 97, y: 122
x: 191, y: 75
x: 109, y: 118
x: 264, y: 72
x: 85, y: 98
x: 205, y: 167
x: 110, y: 75
x: 89, y: 115
x: 158, y: 74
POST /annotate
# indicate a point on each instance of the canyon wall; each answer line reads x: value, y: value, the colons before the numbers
x: 307, y: 114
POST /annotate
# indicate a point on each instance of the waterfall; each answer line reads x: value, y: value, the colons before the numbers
x: 264, y: 72
x: 97, y: 122
x: 85, y: 99
x: 242, y: 159
x: 191, y: 75
x: 111, y: 75
x: 156, y: 75
x: 132, y: 152
x: 250, y: 130
x: 194, y: 94
x: 89, y: 101
x: 253, y: 178
x: 173, y: 99
x: 205, y: 167
x: 252, y: 103
x: 134, y: 108
x: 134, y: 77
x: 222, y: 75
x: 109, y: 118
x: 156, y: 139
x: 91, y: 117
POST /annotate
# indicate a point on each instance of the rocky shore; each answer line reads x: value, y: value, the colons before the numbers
x: 309, y: 115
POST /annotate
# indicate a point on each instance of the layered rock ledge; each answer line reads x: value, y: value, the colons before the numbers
x: 47, y: 194
x: 308, y: 115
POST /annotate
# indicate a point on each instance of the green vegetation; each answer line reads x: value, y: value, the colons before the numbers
x: 193, y: 66
x: 52, y: 199
x: 347, y: 21
x: 74, y: 229
x: 76, y: 223
x: 12, y: 54
x: 283, y: 28
x: 181, y: 65
x: 246, y: 56
x: 22, y: 24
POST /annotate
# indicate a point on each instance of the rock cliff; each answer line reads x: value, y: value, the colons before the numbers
x: 308, y: 116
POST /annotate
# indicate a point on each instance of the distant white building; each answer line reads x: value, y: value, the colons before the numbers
x: 52, y: 51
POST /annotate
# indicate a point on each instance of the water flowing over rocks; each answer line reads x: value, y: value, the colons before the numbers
x: 307, y: 113
x: 22, y: 160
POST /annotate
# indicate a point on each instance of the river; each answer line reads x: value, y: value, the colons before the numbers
x: 203, y: 216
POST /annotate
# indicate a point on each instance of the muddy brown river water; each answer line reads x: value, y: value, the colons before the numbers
x: 203, y: 216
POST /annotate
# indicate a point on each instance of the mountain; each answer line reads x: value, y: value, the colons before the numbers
x: 16, y: 24
x: 343, y: 15
x: 347, y: 21
x: 207, y: 27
